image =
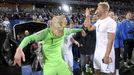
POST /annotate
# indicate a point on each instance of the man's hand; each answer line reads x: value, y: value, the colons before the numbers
x: 87, y: 22
x: 19, y: 55
x: 77, y: 43
x: 107, y: 60
x: 87, y: 12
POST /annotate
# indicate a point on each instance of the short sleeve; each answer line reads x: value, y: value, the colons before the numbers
x: 111, y: 26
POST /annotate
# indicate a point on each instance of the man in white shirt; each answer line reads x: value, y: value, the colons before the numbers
x: 104, y: 56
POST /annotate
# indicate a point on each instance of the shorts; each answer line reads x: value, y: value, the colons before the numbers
x: 99, y: 65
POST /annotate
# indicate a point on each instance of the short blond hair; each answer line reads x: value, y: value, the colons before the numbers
x: 105, y: 5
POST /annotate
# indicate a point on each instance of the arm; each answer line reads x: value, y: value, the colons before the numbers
x: 120, y: 35
x: 75, y: 42
x: 87, y: 22
x: 35, y: 37
x: 109, y: 44
x: 19, y: 55
x: 69, y: 30
x: 75, y: 30
x: 123, y: 30
x: 108, y: 49
x: 111, y: 29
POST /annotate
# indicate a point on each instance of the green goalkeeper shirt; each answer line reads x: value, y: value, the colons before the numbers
x: 51, y: 44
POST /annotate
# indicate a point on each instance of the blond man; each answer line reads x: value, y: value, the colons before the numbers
x: 104, y: 56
